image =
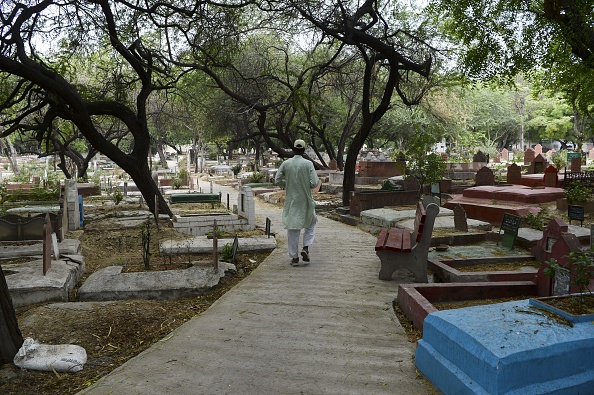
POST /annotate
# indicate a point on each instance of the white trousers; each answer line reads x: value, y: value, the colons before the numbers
x: 308, y: 237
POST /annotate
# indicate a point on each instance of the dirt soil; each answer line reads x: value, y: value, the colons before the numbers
x: 113, y: 332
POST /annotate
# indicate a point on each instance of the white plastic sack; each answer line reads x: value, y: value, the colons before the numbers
x: 61, y: 358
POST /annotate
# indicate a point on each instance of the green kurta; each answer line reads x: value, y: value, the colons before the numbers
x: 298, y: 176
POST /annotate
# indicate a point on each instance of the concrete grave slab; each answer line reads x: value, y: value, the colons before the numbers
x: 111, y: 284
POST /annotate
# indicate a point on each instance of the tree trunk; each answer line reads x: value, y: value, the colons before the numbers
x: 6, y: 144
x: 162, y: 157
x: 10, y: 334
x: 143, y: 179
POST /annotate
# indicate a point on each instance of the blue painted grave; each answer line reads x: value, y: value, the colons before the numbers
x: 506, y: 348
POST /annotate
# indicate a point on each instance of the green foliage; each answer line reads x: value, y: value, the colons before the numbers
x: 252, y: 166
x: 577, y: 192
x: 255, y: 177
x: 227, y: 253
x: 117, y: 195
x: 535, y: 221
x: 428, y: 169
x: 389, y: 186
x: 39, y: 194
x: 581, y: 267
x: 236, y: 169
x: 176, y: 183
x: 183, y: 174
x: 559, y: 159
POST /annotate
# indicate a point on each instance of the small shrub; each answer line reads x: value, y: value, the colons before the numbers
x: 227, y: 253
x: 559, y: 159
x: 577, y: 193
x: 117, y: 195
x: 183, y: 174
x: 535, y: 221
x: 176, y: 183
x: 255, y: 177
x: 236, y: 169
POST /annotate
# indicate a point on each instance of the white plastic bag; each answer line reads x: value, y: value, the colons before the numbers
x: 61, y: 358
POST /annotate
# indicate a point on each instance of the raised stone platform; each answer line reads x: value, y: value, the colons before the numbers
x: 111, y: 284
x: 388, y: 218
x: 515, y: 193
x: 506, y: 348
x: 489, y: 211
x: 27, y: 284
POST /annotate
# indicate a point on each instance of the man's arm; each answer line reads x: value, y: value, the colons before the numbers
x: 279, y: 178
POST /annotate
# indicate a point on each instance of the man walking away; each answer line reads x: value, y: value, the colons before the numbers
x: 298, y: 176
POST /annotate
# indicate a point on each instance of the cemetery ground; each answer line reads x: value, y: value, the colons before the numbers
x: 113, y: 332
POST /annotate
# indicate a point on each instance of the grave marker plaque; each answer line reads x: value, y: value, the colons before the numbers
x: 460, y: 220
x: 234, y: 248
x: 576, y: 213
x: 267, y: 230
x: 561, y: 282
x: 510, y: 226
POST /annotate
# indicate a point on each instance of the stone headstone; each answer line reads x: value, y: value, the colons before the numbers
x: 333, y: 164
x: 537, y: 149
x: 47, y: 245
x: 591, y: 153
x: 538, y: 165
x: 460, y: 220
x: 72, y: 204
x: 484, y: 176
x: 550, y: 153
x: 411, y: 184
x: 550, y: 177
x: 529, y: 156
x: 576, y: 165
x: 505, y: 154
x: 497, y: 158
x: 556, y: 243
x: 480, y: 157
x: 514, y: 174
x: 55, y: 247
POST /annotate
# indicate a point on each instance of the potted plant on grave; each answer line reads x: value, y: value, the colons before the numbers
x: 580, y: 271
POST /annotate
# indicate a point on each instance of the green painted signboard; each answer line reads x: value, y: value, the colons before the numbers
x: 510, y: 226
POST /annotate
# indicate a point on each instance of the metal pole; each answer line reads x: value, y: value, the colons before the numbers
x: 215, y: 247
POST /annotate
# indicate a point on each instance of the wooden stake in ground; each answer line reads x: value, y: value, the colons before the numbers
x: 11, y: 336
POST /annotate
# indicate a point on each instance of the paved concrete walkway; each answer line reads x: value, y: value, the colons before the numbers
x: 327, y: 328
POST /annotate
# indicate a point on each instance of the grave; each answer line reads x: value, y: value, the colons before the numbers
x: 510, y: 224
x: 198, y: 225
x: 485, y: 176
x: 556, y: 243
x: 538, y: 149
x: 505, y: 348
x: 504, y: 155
x: 371, y: 199
x: 480, y: 157
x: 460, y: 220
x: 529, y: 156
x: 498, y: 348
x: 538, y: 165
x: 514, y: 174
x: 551, y: 177
x: 574, y: 159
